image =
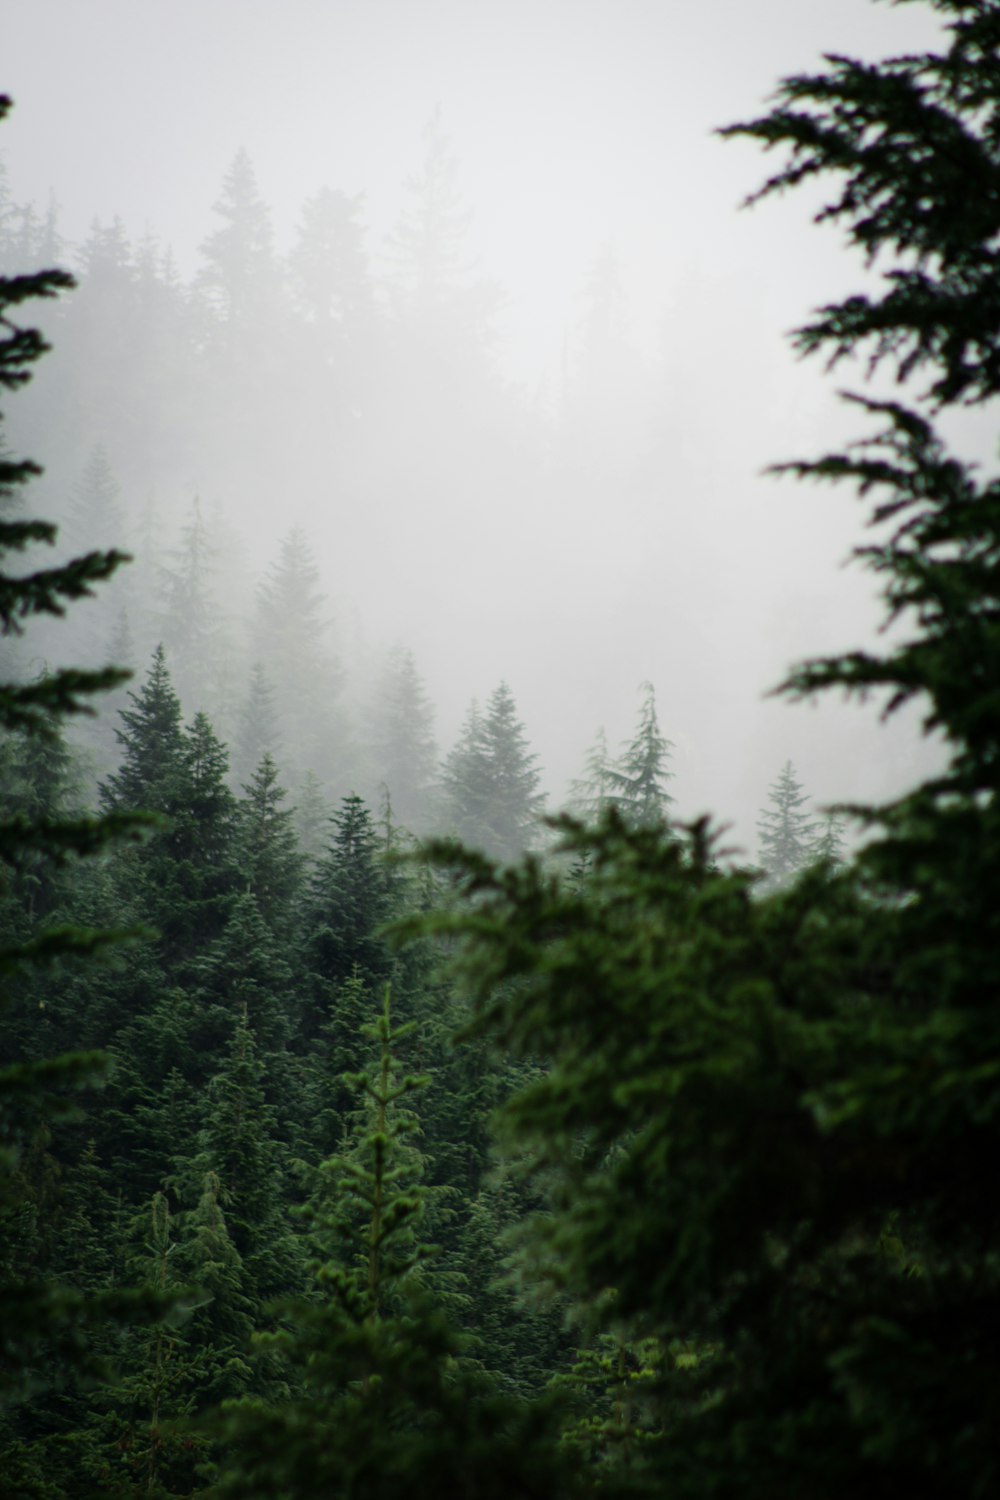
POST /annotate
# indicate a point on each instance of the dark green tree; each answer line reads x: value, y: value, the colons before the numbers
x: 270, y: 861
x: 151, y: 740
x: 350, y: 900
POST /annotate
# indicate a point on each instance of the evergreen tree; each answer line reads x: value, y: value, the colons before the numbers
x: 828, y: 845
x: 787, y: 833
x: 257, y: 731
x: 191, y: 626
x: 95, y: 514
x: 290, y: 632
x: 151, y: 740
x: 427, y: 246
x: 594, y: 791
x: 490, y: 780
x: 401, y: 740
x: 350, y: 900
x: 328, y: 265
x: 239, y: 271
x: 238, y: 1142
x: 639, y: 776
x: 269, y: 854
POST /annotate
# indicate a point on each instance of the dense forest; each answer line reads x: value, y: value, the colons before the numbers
x: 368, y: 1128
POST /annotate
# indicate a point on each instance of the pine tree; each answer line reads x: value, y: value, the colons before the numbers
x: 350, y: 900
x: 272, y: 866
x: 192, y: 631
x: 239, y: 272
x: 328, y: 266
x: 593, y: 792
x: 639, y: 775
x: 290, y: 634
x: 258, y: 732
x: 401, y: 740
x: 151, y: 740
x: 490, y: 780
x: 787, y: 833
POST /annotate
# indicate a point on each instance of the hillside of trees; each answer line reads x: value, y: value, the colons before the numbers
x: 368, y: 1127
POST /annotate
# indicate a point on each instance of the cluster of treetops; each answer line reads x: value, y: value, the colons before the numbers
x: 610, y: 1169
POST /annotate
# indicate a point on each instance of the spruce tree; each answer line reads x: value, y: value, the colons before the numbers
x: 270, y: 861
x: 401, y: 740
x: 490, y: 780
x: 787, y: 832
x: 640, y: 774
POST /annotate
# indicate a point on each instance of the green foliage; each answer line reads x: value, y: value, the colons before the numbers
x: 766, y: 1123
x: 386, y: 1406
x: 47, y: 1326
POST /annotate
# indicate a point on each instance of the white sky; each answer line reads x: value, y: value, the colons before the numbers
x: 575, y: 122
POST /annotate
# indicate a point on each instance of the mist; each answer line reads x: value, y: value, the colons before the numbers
x: 510, y: 358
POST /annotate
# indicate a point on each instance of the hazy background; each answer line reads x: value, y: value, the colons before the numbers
x: 582, y: 129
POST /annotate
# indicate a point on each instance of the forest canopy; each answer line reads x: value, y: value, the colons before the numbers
x: 431, y: 1146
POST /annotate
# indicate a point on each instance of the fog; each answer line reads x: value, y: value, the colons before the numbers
x: 538, y: 460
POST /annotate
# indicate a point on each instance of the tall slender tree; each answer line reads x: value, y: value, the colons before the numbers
x: 787, y: 832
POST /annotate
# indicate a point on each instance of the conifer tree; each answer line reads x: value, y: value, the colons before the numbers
x: 151, y: 745
x: 238, y: 276
x: 257, y: 732
x: 639, y: 776
x: 594, y: 791
x: 787, y: 832
x: 291, y: 631
x: 401, y: 739
x: 350, y: 899
x: 490, y: 780
x: 270, y: 861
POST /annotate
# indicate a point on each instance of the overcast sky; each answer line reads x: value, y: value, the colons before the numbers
x: 576, y: 122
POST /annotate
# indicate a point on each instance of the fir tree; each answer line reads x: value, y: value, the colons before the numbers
x: 401, y: 740
x: 151, y: 743
x: 594, y: 791
x: 490, y: 780
x: 787, y: 833
x: 639, y: 776
x: 269, y: 853
x: 350, y: 899
x: 237, y: 278
x: 257, y: 732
